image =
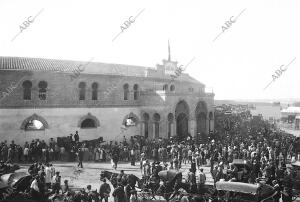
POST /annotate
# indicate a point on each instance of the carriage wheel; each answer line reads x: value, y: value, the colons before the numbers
x: 296, y: 194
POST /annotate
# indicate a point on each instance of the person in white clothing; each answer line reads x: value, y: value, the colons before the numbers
x: 52, y: 170
x: 25, y: 153
x: 34, y: 185
x: 34, y: 189
x: 48, y: 175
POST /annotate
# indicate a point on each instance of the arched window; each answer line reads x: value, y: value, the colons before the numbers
x: 82, y: 86
x: 130, y: 120
x: 172, y: 88
x: 126, y: 91
x: 95, y: 91
x: 156, y: 119
x: 43, y: 90
x: 34, y: 125
x: 34, y: 122
x: 27, y: 85
x: 165, y: 87
x: 135, y: 92
x: 88, y: 123
x: 146, y: 125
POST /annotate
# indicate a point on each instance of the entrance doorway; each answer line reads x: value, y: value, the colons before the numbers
x: 182, y: 119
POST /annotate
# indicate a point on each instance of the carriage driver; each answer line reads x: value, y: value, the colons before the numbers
x: 167, y: 190
x: 154, y: 180
x: 178, y: 184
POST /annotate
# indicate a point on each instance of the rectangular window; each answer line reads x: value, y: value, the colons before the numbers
x: 42, y: 95
x: 27, y: 94
x: 82, y: 95
x: 94, y: 95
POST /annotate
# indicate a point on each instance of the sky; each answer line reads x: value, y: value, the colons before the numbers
x: 238, y: 64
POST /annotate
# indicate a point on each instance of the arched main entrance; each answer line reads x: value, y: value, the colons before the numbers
x: 201, y: 114
x: 182, y: 119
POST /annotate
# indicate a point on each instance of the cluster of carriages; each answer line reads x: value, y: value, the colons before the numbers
x: 173, y: 188
x: 240, y: 190
x: 14, y: 186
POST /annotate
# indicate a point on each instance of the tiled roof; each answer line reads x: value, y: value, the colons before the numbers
x: 89, y: 67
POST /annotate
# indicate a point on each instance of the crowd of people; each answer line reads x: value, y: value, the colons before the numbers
x: 261, y: 146
x: 264, y: 149
x: 46, y: 185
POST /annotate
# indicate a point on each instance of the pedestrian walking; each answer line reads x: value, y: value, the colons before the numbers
x: 80, y: 157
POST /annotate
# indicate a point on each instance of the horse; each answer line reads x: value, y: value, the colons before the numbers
x: 128, y: 178
x: 9, y: 168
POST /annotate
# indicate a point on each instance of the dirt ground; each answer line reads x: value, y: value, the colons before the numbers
x: 90, y: 173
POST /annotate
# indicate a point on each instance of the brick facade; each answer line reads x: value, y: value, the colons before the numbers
x: 63, y: 111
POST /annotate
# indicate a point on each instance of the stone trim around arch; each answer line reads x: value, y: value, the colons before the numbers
x: 205, y: 111
x: 176, y: 105
x: 89, y: 116
x: 131, y: 115
x: 35, y: 117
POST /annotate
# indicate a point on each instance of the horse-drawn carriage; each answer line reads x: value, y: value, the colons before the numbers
x: 244, y: 192
x: 171, y: 189
x: 243, y: 170
x: 14, y: 185
x: 294, y: 182
x: 8, y: 168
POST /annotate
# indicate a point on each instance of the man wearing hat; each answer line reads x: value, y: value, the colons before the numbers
x: 65, y: 187
x: 2, y: 166
x: 277, y: 188
x: 104, y: 190
x: 119, y: 194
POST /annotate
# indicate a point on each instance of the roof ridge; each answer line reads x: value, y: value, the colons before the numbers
x: 90, y: 67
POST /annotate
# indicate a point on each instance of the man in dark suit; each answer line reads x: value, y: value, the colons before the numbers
x: 104, y: 191
x: 80, y: 157
x: 76, y: 136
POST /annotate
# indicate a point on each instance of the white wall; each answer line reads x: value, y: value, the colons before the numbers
x: 63, y: 121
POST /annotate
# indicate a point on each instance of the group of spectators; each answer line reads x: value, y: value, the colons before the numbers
x: 36, y: 150
x: 264, y: 148
x: 46, y: 185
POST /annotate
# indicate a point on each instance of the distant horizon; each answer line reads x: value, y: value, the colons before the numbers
x: 267, y: 101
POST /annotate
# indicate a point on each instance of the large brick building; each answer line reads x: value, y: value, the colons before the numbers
x: 44, y: 98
